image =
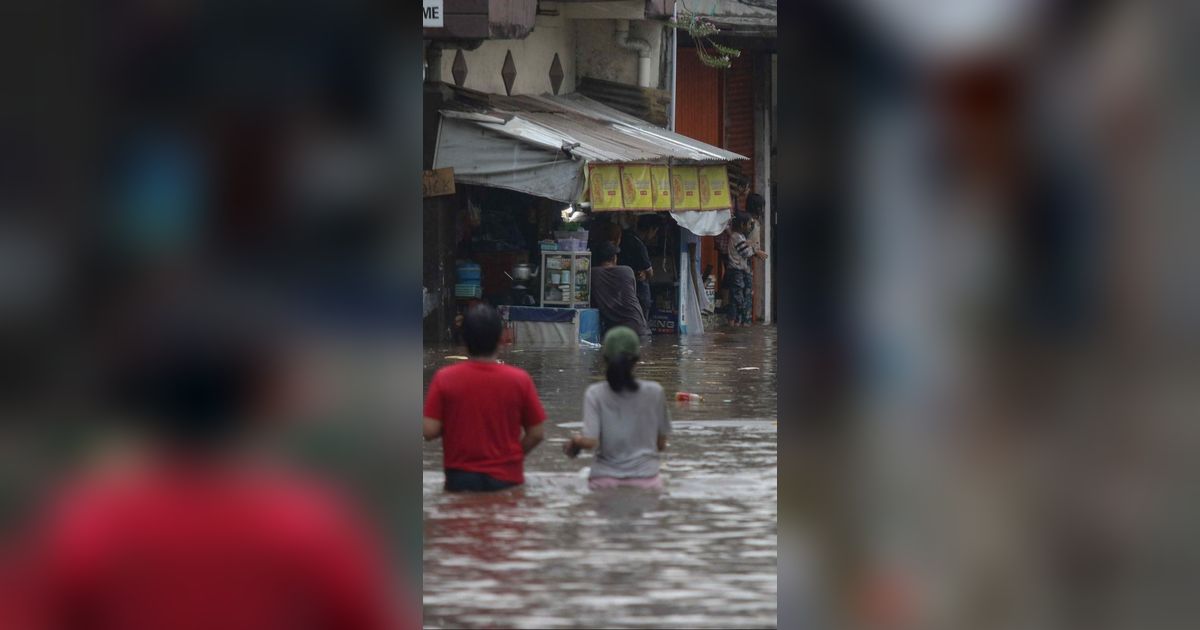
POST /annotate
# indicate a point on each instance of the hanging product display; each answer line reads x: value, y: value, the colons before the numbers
x: 606, y: 187
x: 660, y: 177
x: 637, y: 187
x: 714, y: 188
x: 648, y: 187
x: 685, y: 188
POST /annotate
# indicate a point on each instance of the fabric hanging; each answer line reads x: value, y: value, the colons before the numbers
x: 703, y: 222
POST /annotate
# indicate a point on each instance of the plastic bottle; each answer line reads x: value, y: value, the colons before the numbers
x: 682, y: 396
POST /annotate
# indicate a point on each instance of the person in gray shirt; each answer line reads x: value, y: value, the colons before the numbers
x: 624, y: 419
x: 614, y: 292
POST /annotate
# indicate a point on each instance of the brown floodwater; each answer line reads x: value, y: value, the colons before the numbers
x: 701, y: 553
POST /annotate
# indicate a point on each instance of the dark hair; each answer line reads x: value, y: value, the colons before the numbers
x: 612, y: 233
x: 481, y: 330
x: 620, y: 373
x: 755, y: 204
x: 192, y: 383
x: 648, y: 221
x: 606, y: 251
x: 740, y: 221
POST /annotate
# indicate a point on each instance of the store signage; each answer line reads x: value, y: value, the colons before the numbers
x: 714, y: 188
x: 437, y: 182
x: 432, y: 14
x: 656, y: 187
x: 637, y: 187
x: 685, y: 188
x: 661, y: 179
x: 606, y: 187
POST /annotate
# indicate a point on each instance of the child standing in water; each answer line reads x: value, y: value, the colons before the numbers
x: 624, y: 419
x: 741, y: 279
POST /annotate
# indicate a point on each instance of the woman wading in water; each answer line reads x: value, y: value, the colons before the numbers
x: 625, y: 420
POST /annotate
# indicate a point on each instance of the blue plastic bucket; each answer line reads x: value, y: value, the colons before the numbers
x: 469, y: 273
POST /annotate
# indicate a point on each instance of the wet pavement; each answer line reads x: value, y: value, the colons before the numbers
x: 702, y: 553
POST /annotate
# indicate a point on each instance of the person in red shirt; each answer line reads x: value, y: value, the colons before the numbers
x: 191, y: 533
x: 488, y: 414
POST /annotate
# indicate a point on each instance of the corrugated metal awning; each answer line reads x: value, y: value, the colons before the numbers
x: 585, y: 129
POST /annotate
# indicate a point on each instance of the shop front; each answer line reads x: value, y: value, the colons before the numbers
x: 539, y: 180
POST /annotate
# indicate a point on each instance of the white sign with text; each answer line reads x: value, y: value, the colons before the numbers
x: 432, y: 14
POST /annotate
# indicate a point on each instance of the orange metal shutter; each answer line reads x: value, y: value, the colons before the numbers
x: 739, y: 116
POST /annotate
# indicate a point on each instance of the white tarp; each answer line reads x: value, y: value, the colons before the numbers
x: 484, y: 158
x: 702, y: 222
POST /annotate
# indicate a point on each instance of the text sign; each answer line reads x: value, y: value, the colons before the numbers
x: 432, y: 14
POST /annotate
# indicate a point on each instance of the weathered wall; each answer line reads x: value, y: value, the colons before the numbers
x: 532, y: 57
x: 599, y: 57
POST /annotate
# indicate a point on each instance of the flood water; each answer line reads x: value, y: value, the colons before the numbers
x: 701, y: 553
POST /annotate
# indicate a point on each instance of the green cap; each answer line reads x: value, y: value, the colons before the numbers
x: 621, y: 340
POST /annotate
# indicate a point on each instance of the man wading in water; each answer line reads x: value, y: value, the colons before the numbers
x: 488, y: 414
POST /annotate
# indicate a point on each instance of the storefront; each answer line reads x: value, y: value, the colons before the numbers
x: 532, y: 172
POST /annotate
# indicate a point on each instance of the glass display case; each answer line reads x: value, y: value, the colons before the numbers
x: 566, y: 279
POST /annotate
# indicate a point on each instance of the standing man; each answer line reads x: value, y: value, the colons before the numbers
x: 636, y: 256
x: 488, y: 414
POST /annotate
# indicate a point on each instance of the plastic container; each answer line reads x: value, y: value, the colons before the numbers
x: 571, y: 234
x: 688, y: 396
x: 468, y: 290
x: 469, y: 273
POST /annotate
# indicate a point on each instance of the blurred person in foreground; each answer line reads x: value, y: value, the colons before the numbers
x: 625, y: 420
x: 488, y: 414
x: 614, y: 292
x: 194, y: 532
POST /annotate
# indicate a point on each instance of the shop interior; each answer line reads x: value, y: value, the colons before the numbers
x: 515, y: 249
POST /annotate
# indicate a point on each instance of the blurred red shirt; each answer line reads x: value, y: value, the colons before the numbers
x: 187, y: 549
x: 483, y: 407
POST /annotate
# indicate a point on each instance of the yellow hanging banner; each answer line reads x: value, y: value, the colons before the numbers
x: 685, y: 188
x: 714, y: 188
x: 606, y: 187
x: 637, y: 187
x: 661, y: 177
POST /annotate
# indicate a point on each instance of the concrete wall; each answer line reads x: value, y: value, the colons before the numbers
x: 585, y: 48
x: 532, y: 56
x: 599, y: 57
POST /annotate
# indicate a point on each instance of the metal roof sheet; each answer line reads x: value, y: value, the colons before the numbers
x: 587, y: 129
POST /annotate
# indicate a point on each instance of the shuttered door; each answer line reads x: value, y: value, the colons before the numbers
x: 699, y: 96
x: 739, y: 118
x: 698, y: 99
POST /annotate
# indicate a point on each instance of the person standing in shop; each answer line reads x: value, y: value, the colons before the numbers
x: 636, y: 256
x: 614, y: 292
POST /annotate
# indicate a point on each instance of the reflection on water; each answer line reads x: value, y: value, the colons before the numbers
x: 553, y: 554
